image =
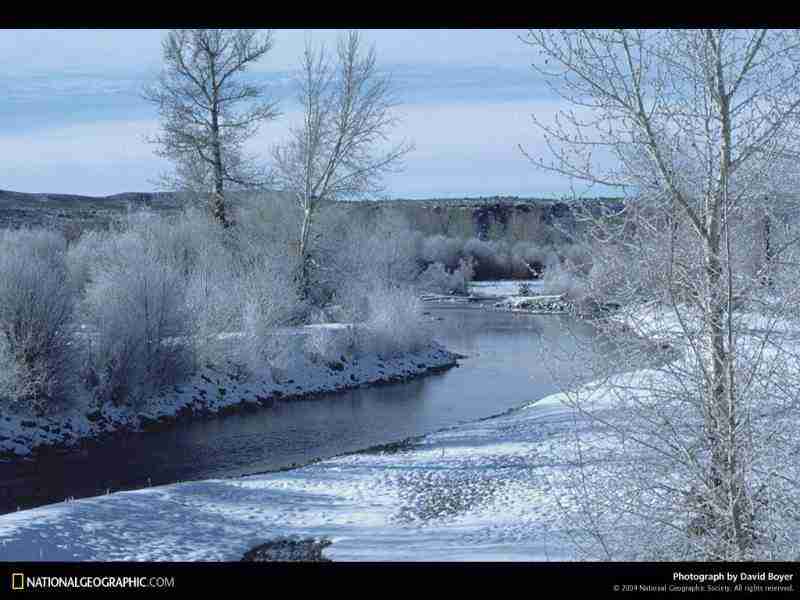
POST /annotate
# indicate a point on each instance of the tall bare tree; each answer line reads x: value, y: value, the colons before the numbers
x: 341, y: 149
x: 208, y: 111
x: 698, y: 129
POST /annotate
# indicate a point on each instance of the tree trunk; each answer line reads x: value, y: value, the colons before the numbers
x: 218, y: 195
x: 304, y: 267
x: 718, y: 411
x: 732, y: 516
x: 766, y: 279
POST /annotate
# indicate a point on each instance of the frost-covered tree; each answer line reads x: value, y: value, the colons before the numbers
x: 209, y: 110
x: 698, y: 130
x: 341, y: 149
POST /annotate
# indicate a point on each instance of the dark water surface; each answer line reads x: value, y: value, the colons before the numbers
x: 506, y: 367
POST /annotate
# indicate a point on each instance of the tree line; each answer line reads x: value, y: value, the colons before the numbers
x: 209, y: 111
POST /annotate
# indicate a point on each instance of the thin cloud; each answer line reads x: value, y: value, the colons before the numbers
x: 73, y: 107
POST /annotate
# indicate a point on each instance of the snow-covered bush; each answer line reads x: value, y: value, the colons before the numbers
x: 330, y: 345
x: 499, y: 259
x: 616, y: 276
x: 529, y: 259
x: 86, y: 254
x: 560, y: 279
x: 269, y: 300
x: 266, y: 309
x: 437, y: 279
x: 395, y: 323
x: 442, y: 249
x: 179, y: 240
x: 578, y: 257
x: 360, y: 254
x: 492, y: 258
x: 612, y: 276
x: 9, y: 372
x: 266, y: 348
x: 36, y: 311
x: 214, y: 304
x: 357, y: 256
x: 525, y: 289
x: 138, y: 323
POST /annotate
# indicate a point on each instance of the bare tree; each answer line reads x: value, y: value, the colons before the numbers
x: 208, y: 111
x: 698, y: 130
x: 341, y: 149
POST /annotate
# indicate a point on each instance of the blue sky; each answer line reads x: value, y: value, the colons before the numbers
x: 72, y: 120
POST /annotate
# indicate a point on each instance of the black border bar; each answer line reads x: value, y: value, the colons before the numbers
x: 374, y: 579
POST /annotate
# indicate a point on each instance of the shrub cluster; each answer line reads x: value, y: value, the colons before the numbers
x: 36, y: 306
x: 113, y: 316
x: 491, y: 259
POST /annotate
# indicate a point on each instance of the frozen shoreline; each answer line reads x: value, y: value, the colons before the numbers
x: 212, y: 392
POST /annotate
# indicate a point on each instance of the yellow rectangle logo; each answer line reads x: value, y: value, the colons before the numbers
x: 17, y: 581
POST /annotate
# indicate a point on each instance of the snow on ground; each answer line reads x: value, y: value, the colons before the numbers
x: 502, y: 288
x: 478, y: 491
x: 215, y: 390
x: 474, y: 492
x: 660, y: 321
x: 546, y: 304
x: 508, y: 295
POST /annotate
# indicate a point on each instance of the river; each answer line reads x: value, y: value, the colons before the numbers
x: 505, y: 367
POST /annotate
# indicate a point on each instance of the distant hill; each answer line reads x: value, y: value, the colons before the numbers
x: 19, y: 208
x: 509, y: 217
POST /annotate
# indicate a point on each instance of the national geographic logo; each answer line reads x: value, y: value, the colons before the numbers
x: 17, y: 582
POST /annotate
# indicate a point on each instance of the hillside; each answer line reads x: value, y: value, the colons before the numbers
x: 496, y: 217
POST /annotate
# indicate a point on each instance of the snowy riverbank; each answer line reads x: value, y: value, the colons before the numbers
x: 526, y: 296
x: 216, y: 391
x: 475, y: 492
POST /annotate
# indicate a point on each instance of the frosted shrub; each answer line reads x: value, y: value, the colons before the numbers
x: 492, y: 258
x: 360, y: 254
x: 352, y: 302
x: 265, y: 347
x: 270, y: 302
x: 88, y: 253
x: 36, y: 310
x: 578, y: 256
x: 560, y: 279
x: 442, y: 249
x: 530, y: 260
x: 215, y: 299
x: 327, y: 345
x: 525, y: 289
x: 614, y: 276
x: 9, y: 375
x: 179, y: 240
x: 436, y: 278
x: 466, y: 269
x: 395, y: 323
x: 138, y: 324
x: 214, y: 305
